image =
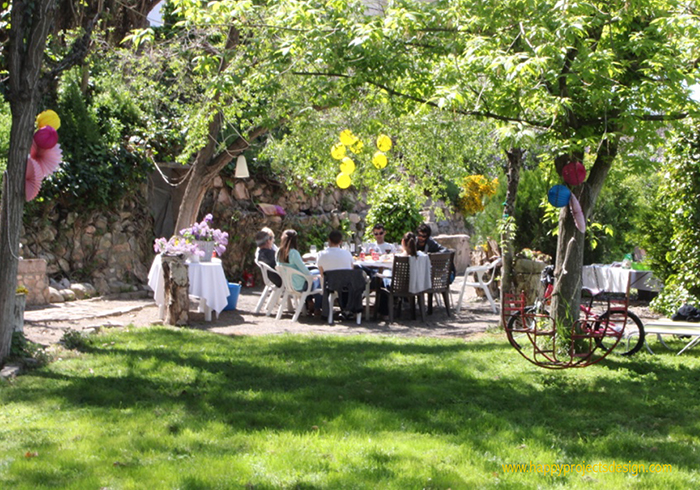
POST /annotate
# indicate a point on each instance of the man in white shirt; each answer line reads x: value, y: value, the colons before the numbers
x: 334, y: 258
x: 380, y: 245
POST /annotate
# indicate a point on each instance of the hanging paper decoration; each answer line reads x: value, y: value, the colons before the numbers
x: 46, y: 137
x: 577, y: 213
x: 48, y: 118
x: 343, y: 180
x: 32, y: 180
x: 357, y: 147
x: 347, y: 138
x: 574, y: 173
x: 559, y: 195
x: 379, y: 160
x: 347, y: 166
x: 44, y: 155
x: 338, y: 151
x: 384, y: 143
x: 47, y: 159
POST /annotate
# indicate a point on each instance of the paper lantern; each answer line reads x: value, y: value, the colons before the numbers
x: 46, y: 137
x: 384, y: 142
x: 241, y: 171
x: 379, y: 160
x: 32, y: 179
x: 343, y: 180
x: 48, y: 118
x: 574, y: 173
x: 347, y: 138
x: 48, y: 159
x: 357, y: 147
x: 347, y: 166
x: 338, y: 151
x: 559, y: 195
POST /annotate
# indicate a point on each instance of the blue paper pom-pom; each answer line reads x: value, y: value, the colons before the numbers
x: 559, y: 195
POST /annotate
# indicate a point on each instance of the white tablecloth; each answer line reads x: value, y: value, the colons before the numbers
x: 614, y: 279
x: 207, y: 281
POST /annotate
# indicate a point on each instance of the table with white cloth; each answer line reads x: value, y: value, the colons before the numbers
x: 614, y: 279
x: 207, y: 282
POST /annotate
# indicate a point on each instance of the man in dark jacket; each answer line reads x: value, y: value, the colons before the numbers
x: 427, y: 244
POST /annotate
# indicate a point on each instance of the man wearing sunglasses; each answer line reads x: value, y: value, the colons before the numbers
x: 380, y: 245
x: 427, y: 244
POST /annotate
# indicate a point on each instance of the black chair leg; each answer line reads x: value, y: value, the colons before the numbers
x: 446, y: 297
x: 430, y: 303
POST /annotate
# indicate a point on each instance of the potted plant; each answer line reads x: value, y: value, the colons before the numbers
x: 206, y: 238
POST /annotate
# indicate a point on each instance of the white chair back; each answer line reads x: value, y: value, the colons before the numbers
x: 484, y: 277
x: 287, y: 274
x: 271, y: 292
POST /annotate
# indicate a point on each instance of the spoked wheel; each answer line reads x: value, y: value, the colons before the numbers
x: 616, y: 327
x: 524, y: 333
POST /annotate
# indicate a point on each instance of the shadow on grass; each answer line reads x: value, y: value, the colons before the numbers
x: 473, y: 393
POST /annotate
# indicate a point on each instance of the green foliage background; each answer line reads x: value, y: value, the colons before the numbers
x: 673, y: 228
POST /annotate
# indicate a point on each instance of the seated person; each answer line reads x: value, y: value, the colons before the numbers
x: 272, y: 237
x: 266, y: 254
x: 380, y: 245
x: 420, y: 276
x: 289, y: 256
x: 334, y: 257
x: 427, y: 244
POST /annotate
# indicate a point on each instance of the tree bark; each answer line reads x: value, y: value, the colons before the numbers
x: 515, y: 162
x: 30, y: 26
x: 176, y: 290
x: 566, y: 297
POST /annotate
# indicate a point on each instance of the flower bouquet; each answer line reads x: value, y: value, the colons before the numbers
x: 206, y: 238
x: 177, y: 245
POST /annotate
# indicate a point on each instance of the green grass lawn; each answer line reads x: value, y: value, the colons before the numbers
x: 176, y: 408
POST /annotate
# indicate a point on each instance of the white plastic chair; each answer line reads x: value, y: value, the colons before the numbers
x: 272, y: 292
x: 484, y: 277
x: 287, y: 273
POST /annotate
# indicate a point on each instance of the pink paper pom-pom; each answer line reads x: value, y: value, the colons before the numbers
x: 47, y: 158
x: 46, y: 137
x: 32, y: 179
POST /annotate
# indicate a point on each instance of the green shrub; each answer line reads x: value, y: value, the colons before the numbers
x: 397, y: 207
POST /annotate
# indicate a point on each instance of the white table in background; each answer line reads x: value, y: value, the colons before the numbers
x: 614, y: 279
x: 207, y: 282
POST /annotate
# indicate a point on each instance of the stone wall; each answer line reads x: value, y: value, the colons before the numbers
x: 113, y: 251
x: 31, y: 273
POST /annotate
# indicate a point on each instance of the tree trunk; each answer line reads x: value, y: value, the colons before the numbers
x: 566, y: 297
x: 515, y: 162
x: 30, y: 25
x: 205, y: 169
x: 176, y: 290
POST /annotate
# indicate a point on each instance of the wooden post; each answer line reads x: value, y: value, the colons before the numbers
x: 176, y: 290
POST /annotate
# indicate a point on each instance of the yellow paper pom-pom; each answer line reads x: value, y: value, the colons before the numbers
x: 343, y: 180
x: 357, y: 147
x: 338, y: 151
x: 48, y: 118
x: 347, y: 138
x: 347, y: 166
x: 379, y: 160
x: 384, y: 142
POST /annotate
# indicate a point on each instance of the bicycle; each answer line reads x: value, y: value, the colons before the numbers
x: 607, y: 328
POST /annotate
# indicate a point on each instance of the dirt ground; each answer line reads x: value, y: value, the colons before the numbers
x: 47, y: 324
